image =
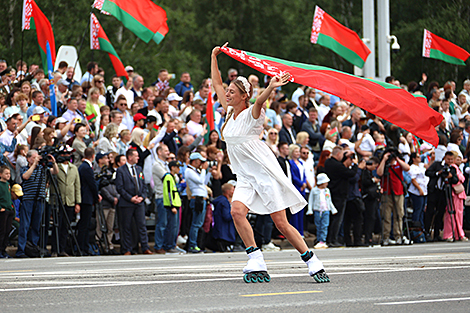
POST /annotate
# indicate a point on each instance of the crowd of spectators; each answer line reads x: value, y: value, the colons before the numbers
x: 133, y: 157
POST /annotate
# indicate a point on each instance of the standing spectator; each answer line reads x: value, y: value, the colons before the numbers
x: 130, y: 186
x: 223, y: 230
x: 137, y: 84
x: 300, y: 182
x: 371, y: 198
x: 110, y: 199
x: 194, y: 125
x: 353, y: 215
x: 184, y: 84
x: 196, y: 180
x: 162, y: 83
x: 418, y: 188
x: 126, y: 91
x: 7, y: 212
x: 68, y: 182
x: 112, y: 89
x: 89, y: 195
x: 287, y: 133
x: 273, y: 140
x: 453, y: 222
x: 312, y: 127
x: 232, y: 74
x: 324, y: 108
x: 34, y: 187
x: 106, y: 143
x: 339, y: 175
x: 137, y: 138
x: 159, y: 170
x: 93, y: 104
x: 172, y: 204
x: 91, y: 70
x: 79, y: 144
x: 393, y: 196
x: 320, y: 204
x: 122, y: 144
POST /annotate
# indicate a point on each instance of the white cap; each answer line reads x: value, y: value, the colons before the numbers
x: 322, y: 178
x: 39, y: 110
x: 174, y: 97
x: 129, y: 68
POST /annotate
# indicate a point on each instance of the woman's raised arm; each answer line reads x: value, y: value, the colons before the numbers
x: 275, y: 82
x: 216, y: 78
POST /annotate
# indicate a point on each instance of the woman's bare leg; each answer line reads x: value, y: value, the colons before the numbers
x: 239, y: 212
x: 289, y: 231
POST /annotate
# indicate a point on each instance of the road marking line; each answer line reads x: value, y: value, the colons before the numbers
x: 424, y: 301
x: 16, y: 271
x: 281, y: 293
x: 115, y: 261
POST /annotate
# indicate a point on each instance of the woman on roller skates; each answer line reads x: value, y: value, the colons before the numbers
x: 262, y: 187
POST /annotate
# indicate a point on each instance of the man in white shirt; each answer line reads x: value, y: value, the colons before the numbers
x: 127, y: 92
x: 466, y: 90
x: 365, y: 144
x: 300, y: 91
x: 324, y: 108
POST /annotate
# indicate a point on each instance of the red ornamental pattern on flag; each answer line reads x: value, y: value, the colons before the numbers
x: 256, y: 63
x: 27, y: 13
x: 99, y: 5
x: 427, y: 43
x: 316, y: 26
x: 94, y: 29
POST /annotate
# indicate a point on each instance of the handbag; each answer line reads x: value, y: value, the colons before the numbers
x: 458, y: 189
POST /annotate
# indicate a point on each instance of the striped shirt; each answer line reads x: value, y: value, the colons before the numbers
x: 30, y: 186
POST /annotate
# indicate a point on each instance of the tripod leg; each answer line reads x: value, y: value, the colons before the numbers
x: 56, y: 225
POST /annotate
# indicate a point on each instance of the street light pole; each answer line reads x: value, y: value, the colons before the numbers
x: 368, y: 26
x: 383, y: 19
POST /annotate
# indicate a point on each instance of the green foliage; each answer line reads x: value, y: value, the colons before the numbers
x: 278, y: 28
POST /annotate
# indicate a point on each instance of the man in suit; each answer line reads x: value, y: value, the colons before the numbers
x: 68, y: 182
x: 287, y: 132
x: 89, y: 195
x: 130, y: 185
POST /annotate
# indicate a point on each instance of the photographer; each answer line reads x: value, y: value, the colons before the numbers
x: 439, y: 173
x: 337, y: 169
x: 34, y: 188
x: 391, y: 171
x: 68, y: 181
x: 371, y: 198
x: 110, y: 198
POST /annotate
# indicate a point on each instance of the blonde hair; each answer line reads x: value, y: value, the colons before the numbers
x: 111, y: 131
x: 136, y: 136
x: 268, y: 139
x: 292, y: 148
x: 301, y: 136
x: 93, y: 84
x: 239, y: 84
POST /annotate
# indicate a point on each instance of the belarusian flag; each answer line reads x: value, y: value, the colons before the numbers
x: 327, y: 32
x: 333, y: 132
x: 91, y: 118
x: 99, y: 41
x: 144, y: 18
x: 438, y: 48
x: 33, y: 18
x: 406, y: 110
x: 209, y: 115
x: 156, y: 127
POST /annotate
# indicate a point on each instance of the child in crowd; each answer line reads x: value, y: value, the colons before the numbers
x: 7, y: 212
x: 172, y: 203
x: 320, y: 204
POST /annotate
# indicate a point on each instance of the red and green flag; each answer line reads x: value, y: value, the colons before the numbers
x: 33, y: 18
x: 209, y: 115
x: 99, y: 41
x: 156, y: 127
x: 327, y: 32
x: 436, y: 47
x: 406, y: 110
x: 333, y: 132
x: 91, y: 118
x: 144, y: 18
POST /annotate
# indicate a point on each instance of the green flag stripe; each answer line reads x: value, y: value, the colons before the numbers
x: 316, y: 68
x: 108, y: 47
x: 158, y: 37
x: 338, y: 48
x: 436, y: 54
x: 129, y: 21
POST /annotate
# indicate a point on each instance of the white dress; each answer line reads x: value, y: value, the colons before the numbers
x: 261, y: 184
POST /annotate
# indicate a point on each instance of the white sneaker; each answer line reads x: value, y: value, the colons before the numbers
x: 399, y: 241
x: 320, y: 245
x: 270, y: 247
x: 255, y: 263
x: 405, y: 240
x: 180, y: 241
x: 181, y: 251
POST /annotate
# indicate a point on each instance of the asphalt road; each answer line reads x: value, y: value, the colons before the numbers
x: 419, y: 278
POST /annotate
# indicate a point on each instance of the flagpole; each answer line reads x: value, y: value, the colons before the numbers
x: 22, y: 40
x: 81, y: 41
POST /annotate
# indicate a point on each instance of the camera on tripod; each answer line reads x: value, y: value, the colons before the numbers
x: 394, y: 154
x: 445, y: 171
x: 61, y: 153
x: 104, y: 177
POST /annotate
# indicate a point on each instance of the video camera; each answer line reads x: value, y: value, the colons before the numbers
x: 104, y: 177
x: 394, y: 154
x: 445, y: 171
x: 61, y: 153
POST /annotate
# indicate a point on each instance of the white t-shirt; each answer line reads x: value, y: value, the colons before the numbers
x: 127, y: 93
x: 405, y: 150
x: 417, y: 172
x: 323, y: 204
x: 367, y: 144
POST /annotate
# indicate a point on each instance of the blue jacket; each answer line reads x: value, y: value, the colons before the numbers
x: 181, y: 88
x: 223, y: 222
x: 295, y: 171
x: 314, y: 201
x: 125, y: 185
